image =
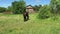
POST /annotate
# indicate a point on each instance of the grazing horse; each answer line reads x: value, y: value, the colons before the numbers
x: 26, y: 16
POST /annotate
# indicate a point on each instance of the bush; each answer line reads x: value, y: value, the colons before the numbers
x: 44, y: 12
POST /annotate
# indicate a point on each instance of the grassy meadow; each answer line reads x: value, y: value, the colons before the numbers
x: 14, y: 24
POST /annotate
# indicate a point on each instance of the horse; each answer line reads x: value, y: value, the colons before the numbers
x: 26, y: 16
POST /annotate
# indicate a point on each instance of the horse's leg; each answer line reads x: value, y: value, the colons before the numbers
x: 24, y: 18
x: 27, y: 17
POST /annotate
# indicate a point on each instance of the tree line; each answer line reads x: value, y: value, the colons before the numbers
x: 18, y: 7
x: 45, y: 11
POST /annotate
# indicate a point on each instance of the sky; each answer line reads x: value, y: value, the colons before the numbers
x: 6, y: 3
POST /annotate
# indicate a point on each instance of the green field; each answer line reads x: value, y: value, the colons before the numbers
x: 14, y: 24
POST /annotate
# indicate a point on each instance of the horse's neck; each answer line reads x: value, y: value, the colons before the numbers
x: 24, y: 13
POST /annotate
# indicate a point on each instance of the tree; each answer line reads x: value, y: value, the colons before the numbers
x: 9, y: 8
x: 58, y: 6
x: 55, y: 8
x: 37, y: 7
x: 44, y: 12
x: 18, y: 6
x: 2, y: 9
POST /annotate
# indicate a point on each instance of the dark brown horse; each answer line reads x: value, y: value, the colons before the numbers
x: 26, y: 16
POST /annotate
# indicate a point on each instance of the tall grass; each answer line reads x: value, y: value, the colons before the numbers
x: 14, y: 24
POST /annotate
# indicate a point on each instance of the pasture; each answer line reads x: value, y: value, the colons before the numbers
x: 14, y: 24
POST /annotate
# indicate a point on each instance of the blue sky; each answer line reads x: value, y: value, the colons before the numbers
x: 6, y: 3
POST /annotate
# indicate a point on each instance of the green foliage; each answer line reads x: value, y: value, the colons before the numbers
x: 50, y: 10
x: 18, y: 6
x: 44, y: 12
x: 55, y: 6
x: 9, y: 8
x: 2, y: 9
x: 37, y: 7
